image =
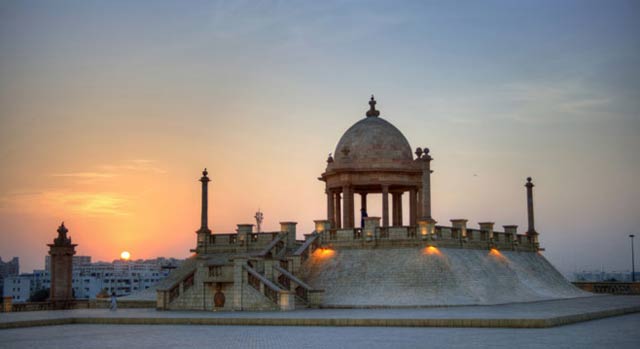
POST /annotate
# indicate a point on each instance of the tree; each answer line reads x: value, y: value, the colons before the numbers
x: 40, y: 295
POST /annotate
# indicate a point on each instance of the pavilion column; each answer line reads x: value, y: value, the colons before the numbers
x: 338, y: 211
x: 399, y: 213
x: 412, y: 207
x: 348, y: 206
x: 419, y: 203
x: 363, y: 208
x: 426, y: 185
x: 385, y: 205
x: 363, y: 201
x: 394, y: 209
x: 330, y: 207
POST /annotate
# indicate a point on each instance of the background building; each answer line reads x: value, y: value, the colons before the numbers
x: 10, y: 268
x: 88, y: 279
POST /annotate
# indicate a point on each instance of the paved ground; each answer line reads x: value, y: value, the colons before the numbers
x: 537, y: 310
x: 615, y: 332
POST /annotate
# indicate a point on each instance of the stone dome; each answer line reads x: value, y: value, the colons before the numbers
x: 373, y: 143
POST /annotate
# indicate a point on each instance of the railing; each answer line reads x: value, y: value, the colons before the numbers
x: 307, y: 247
x: 174, y: 293
x: 188, y: 282
x: 270, y: 290
x: 286, y: 278
x: 274, y: 247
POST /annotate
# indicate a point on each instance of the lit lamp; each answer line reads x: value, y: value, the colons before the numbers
x: 322, y: 225
x: 423, y: 229
x: 427, y: 229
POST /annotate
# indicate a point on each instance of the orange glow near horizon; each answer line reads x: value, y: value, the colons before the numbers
x: 431, y: 250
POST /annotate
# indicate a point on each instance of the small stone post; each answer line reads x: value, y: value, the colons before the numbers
x: 371, y: 224
x: 462, y: 225
x: 488, y: 228
x: 244, y: 235
x: 511, y: 230
x: 290, y: 229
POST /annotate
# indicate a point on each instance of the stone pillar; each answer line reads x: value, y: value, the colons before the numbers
x: 7, y: 304
x: 412, y: 207
x: 330, y: 205
x: 385, y: 205
x: 363, y: 208
x: 338, y: 217
x: 419, y: 203
x: 204, y: 220
x: 61, y: 252
x: 394, y: 209
x: 426, y: 184
x: 244, y: 234
x: 460, y: 224
x: 531, y: 230
x: 399, y: 210
x: 290, y: 229
x: 370, y: 226
x: 488, y: 228
x: 348, y: 206
x: 238, y: 282
x: 427, y: 229
x: 363, y: 201
x: 321, y: 225
x: 204, y: 232
x: 511, y: 229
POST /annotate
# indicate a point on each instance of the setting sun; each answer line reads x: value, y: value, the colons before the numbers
x: 125, y: 255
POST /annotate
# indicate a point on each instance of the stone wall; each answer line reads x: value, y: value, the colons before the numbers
x: 432, y: 277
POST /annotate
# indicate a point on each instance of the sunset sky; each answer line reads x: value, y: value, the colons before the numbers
x: 109, y: 111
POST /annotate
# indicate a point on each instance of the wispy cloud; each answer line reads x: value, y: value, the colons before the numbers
x: 87, y: 175
x: 107, y: 171
x: 85, y: 203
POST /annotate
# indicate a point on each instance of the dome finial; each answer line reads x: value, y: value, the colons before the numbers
x: 372, y: 108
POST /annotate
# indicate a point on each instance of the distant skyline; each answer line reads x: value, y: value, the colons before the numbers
x: 109, y: 111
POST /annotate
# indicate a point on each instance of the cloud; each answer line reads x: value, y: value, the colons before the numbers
x: 111, y: 171
x: 87, y: 175
x: 85, y: 203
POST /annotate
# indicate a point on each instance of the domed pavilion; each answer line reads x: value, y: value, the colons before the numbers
x: 374, y: 157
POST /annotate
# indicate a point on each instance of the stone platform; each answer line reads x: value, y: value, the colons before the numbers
x: 521, y: 315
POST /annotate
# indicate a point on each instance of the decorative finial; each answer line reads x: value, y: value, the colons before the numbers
x: 205, y: 173
x: 330, y: 158
x: 372, y: 108
x: 418, y: 152
x: 529, y: 179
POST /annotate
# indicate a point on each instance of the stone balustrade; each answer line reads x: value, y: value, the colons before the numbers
x: 458, y: 236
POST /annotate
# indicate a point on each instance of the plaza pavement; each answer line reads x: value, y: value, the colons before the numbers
x: 515, y: 315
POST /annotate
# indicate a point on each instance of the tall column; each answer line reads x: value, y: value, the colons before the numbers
x: 385, y: 205
x: 363, y: 208
x: 348, y: 206
x: 395, y: 197
x: 418, y: 203
x: 204, y: 220
x: 399, y: 210
x: 426, y: 185
x: 204, y: 232
x: 363, y: 201
x: 330, y: 206
x: 412, y: 206
x: 338, y: 213
x: 61, y: 252
x: 529, y: 186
